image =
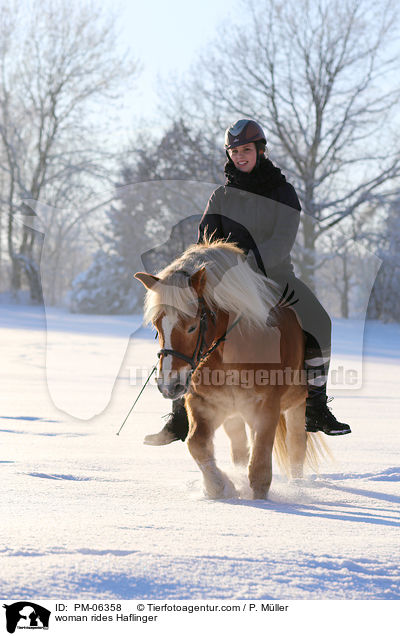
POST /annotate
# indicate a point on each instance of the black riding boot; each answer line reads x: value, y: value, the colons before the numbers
x: 319, y: 417
x: 176, y: 427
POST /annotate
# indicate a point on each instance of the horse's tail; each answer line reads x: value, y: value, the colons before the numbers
x: 317, y: 449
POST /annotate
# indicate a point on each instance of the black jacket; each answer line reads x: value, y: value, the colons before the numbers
x: 265, y: 225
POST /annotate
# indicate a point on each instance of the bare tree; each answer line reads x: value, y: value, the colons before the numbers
x: 59, y: 69
x: 385, y: 298
x: 322, y: 77
x: 337, y: 282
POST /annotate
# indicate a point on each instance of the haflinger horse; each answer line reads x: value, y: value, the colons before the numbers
x: 220, y: 323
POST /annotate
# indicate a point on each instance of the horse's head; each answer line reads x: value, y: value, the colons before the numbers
x: 180, y: 317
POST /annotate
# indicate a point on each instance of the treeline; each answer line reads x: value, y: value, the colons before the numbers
x: 320, y: 77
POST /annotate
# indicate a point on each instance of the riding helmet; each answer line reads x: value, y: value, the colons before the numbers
x: 243, y: 131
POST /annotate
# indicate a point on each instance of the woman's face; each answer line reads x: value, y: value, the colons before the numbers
x: 244, y: 157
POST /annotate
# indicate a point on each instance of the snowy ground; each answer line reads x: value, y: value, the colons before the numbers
x: 87, y: 514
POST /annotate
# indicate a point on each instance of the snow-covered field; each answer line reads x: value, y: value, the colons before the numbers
x: 88, y: 514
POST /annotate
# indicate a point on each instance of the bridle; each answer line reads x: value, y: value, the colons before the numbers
x: 199, y: 354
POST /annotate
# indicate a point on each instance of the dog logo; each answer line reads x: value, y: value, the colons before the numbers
x: 26, y: 615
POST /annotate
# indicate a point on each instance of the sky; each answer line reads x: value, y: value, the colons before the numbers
x: 166, y: 37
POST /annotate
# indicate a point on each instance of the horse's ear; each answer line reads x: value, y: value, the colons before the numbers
x: 148, y: 280
x: 198, y: 281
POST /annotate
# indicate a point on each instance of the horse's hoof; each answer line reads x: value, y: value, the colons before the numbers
x: 260, y: 494
x: 224, y: 491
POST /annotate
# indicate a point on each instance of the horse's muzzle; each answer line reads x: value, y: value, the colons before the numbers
x: 173, y: 389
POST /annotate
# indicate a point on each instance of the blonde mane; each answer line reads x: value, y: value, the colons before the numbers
x: 231, y: 285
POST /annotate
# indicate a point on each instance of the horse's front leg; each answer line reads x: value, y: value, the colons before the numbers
x: 203, y: 420
x: 260, y: 467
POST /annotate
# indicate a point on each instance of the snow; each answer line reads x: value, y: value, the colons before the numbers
x: 89, y: 514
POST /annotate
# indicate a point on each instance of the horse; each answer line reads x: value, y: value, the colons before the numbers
x: 219, y: 323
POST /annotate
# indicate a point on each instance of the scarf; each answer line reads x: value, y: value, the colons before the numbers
x: 263, y: 179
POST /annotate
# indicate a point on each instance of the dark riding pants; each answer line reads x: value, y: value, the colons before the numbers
x: 317, y: 328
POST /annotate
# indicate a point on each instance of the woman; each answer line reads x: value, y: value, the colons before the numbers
x: 273, y: 218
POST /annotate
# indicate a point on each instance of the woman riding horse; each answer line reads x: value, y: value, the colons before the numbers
x: 264, y: 224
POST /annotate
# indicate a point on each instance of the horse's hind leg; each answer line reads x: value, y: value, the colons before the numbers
x: 235, y: 428
x: 202, y: 420
x: 260, y: 467
x: 296, y: 439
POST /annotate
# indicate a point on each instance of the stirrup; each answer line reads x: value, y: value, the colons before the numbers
x: 313, y: 428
